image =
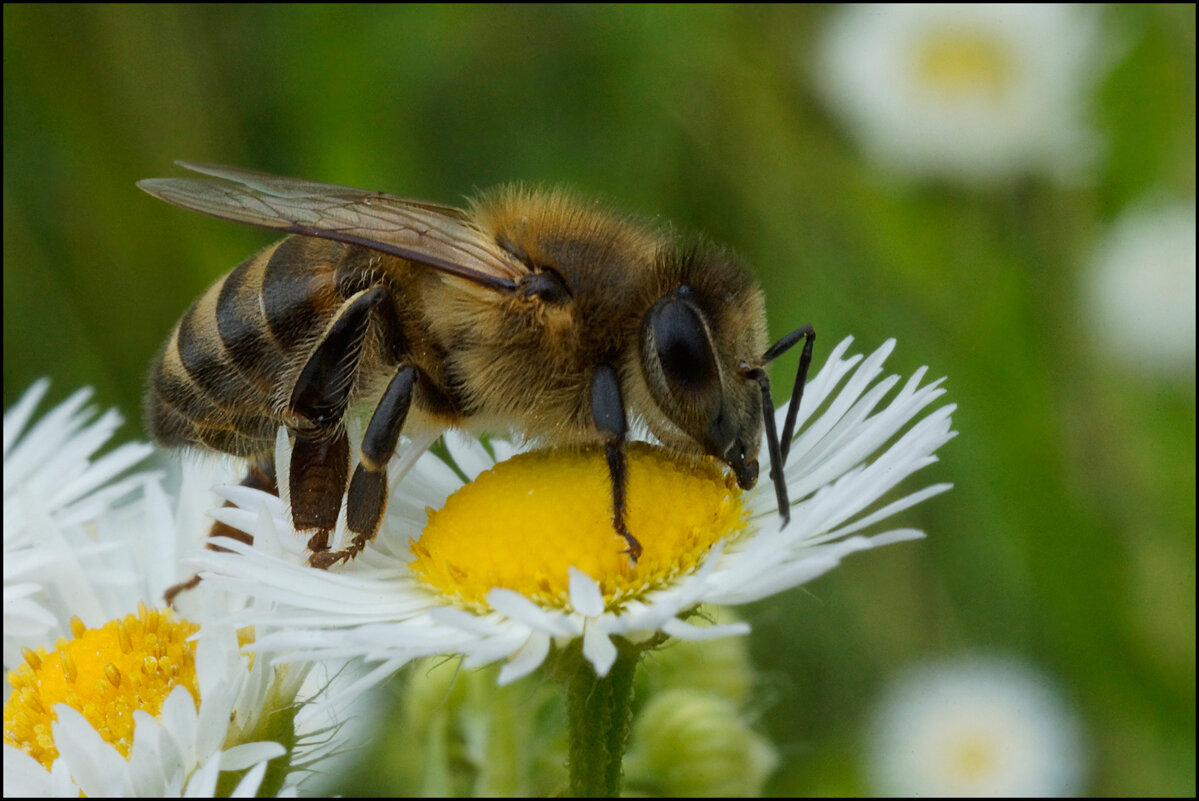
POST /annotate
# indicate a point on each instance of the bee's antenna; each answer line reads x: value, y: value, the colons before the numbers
x: 808, y: 333
x: 780, y: 446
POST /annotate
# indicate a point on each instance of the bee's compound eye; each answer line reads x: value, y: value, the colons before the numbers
x: 683, y: 348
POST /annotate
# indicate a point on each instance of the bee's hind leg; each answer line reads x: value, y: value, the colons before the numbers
x: 320, y: 464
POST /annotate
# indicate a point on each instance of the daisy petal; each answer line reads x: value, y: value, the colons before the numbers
x: 598, y: 649
x: 685, y: 631
x: 585, y: 595
x: 526, y: 660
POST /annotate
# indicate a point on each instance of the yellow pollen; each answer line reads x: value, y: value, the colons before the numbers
x: 105, y: 674
x: 523, y: 523
x: 962, y: 63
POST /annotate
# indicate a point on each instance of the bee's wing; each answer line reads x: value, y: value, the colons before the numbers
x: 436, y: 235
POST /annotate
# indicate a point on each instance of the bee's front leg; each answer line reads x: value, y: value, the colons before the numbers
x: 320, y: 460
x: 780, y: 446
x: 607, y: 410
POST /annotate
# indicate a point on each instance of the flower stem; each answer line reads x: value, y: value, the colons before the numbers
x: 599, y: 711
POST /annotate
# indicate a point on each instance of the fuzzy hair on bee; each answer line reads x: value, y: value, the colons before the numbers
x: 530, y: 312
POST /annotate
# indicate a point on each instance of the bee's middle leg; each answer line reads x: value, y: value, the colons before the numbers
x: 320, y: 460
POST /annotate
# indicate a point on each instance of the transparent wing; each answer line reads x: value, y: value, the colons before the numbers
x: 442, y: 237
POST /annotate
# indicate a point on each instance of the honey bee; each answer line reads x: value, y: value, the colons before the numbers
x: 529, y: 312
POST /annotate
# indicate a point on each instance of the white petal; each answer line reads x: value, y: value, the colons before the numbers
x: 16, y: 418
x: 519, y: 608
x: 180, y: 724
x: 585, y: 596
x: 460, y: 619
x: 339, y: 696
x: 890, y: 509
x: 44, y: 440
x: 102, y: 470
x: 24, y: 777
x: 598, y: 649
x: 201, y: 783
x: 249, y: 784
x: 147, y: 770
x: 96, y: 766
x: 821, y: 385
x: 240, y: 757
x: 467, y: 453
x: 526, y: 660
x: 685, y: 631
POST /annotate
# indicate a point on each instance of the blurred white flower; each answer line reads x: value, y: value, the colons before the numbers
x: 972, y: 92
x: 536, y: 565
x: 973, y: 727
x: 1141, y: 289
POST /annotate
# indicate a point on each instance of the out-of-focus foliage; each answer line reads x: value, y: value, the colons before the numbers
x: 1069, y: 539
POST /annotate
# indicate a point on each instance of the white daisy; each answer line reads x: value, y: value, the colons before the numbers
x: 54, y: 494
x: 974, y: 727
x: 125, y: 702
x: 525, y: 559
x: 1140, y: 289
x: 117, y: 729
x: 135, y: 707
x: 975, y: 92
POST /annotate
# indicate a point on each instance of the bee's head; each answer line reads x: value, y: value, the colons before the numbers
x: 697, y: 342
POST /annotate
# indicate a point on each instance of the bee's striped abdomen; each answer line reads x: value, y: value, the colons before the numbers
x: 224, y: 377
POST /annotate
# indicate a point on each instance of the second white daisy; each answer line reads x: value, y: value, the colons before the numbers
x: 974, y: 92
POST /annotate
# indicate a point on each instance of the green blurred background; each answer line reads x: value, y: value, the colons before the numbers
x: 1069, y: 539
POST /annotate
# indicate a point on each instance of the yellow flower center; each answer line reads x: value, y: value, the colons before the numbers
x: 973, y: 757
x: 961, y: 63
x: 525, y: 522
x: 105, y: 674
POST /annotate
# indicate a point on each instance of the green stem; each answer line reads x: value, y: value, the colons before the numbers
x: 599, y: 710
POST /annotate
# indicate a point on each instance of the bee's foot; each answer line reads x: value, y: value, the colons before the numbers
x: 634, y: 549
x: 173, y: 591
x: 324, y: 559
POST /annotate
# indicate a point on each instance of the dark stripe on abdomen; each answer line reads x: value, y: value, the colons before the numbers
x: 298, y: 294
x: 203, y: 356
x: 243, y: 328
x: 178, y: 392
